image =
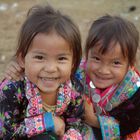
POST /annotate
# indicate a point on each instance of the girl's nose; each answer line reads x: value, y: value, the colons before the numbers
x: 104, y: 69
x: 50, y: 67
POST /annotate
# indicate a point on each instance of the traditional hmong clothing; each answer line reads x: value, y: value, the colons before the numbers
x: 117, y: 107
x: 22, y: 112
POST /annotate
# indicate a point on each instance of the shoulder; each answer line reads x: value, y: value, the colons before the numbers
x: 128, y: 106
x: 10, y: 88
x: 80, y: 73
x: 11, y: 85
x: 136, y: 97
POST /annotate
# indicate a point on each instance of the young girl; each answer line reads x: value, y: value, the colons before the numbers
x: 111, y: 79
x: 45, y: 101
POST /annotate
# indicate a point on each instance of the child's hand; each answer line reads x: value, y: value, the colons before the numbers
x: 89, y: 116
x: 59, y: 125
x: 13, y: 71
x: 89, y: 113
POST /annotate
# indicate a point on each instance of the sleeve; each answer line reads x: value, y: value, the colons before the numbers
x: 13, y: 124
x: 109, y: 128
x: 128, y: 114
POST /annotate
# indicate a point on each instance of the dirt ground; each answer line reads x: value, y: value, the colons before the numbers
x: 83, y: 12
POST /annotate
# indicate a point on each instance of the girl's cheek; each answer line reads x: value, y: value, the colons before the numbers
x: 91, y: 65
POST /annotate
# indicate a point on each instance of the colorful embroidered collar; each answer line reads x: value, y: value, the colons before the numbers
x: 35, y: 102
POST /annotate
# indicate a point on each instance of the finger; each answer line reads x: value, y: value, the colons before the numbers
x: 19, y: 74
x: 13, y: 69
x: 87, y: 99
x: 7, y: 77
x: 14, y: 65
x: 17, y: 67
x: 12, y: 76
x: 12, y: 72
x: 3, y: 77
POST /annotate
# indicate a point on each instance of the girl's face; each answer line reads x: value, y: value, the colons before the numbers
x: 48, y: 62
x: 106, y: 69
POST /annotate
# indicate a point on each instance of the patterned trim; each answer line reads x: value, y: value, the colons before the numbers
x: 109, y: 128
x: 34, y: 125
x: 89, y: 134
x: 72, y: 134
x: 35, y: 102
x: 127, y: 88
x: 64, y: 97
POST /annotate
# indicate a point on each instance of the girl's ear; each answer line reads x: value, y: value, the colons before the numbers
x: 21, y: 61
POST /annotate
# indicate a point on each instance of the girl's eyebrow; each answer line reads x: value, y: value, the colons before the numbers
x: 116, y: 59
x: 64, y: 54
x: 38, y: 52
x: 42, y: 53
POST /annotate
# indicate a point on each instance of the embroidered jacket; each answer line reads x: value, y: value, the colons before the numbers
x: 123, y: 117
x: 21, y: 111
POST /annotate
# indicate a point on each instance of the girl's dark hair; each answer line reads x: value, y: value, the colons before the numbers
x: 44, y: 19
x: 108, y: 29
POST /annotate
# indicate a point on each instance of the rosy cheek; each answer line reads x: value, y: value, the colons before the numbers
x: 91, y: 66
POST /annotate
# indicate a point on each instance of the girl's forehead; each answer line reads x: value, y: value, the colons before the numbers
x: 112, y: 48
x: 112, y: 54
x: 51, y: 43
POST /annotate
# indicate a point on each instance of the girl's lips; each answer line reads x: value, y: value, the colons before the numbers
x: 49, y: 78
x: 49, y: 81
x: 102, y: 77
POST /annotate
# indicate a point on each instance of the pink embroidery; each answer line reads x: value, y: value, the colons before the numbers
x: 32, y: 111
x: 34, y: 125
x: 123, y: 97
x: 72, y: 134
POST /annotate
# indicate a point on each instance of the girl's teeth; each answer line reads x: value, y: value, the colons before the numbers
x: 48, y: 78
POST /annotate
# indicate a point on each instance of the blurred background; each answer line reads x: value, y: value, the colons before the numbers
x: 83, y: 12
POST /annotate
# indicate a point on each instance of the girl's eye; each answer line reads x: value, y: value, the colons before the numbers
x: 39, y: 57
x: 95, y: 58
x: 62, y: 58
x: 116, y: 63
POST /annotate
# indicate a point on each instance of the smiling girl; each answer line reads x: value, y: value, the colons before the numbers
x: 45, y: 104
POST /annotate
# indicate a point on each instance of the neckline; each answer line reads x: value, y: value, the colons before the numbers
x: 49, y: 108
